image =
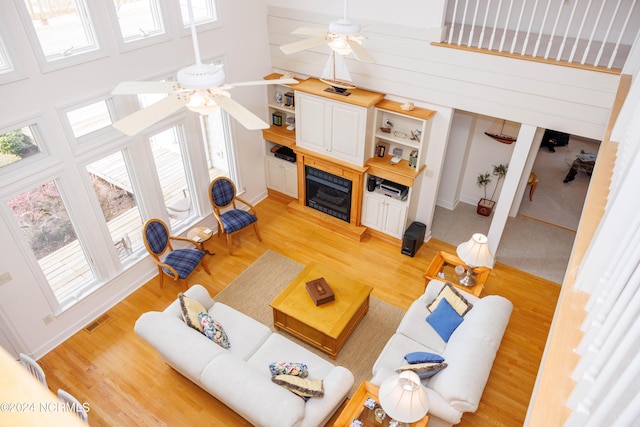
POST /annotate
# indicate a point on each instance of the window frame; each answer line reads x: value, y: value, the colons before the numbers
x: 16, y: 73
x: 160, y: 37
x: 52, y: 64
x: 185, y: 30
x: 16, y: 171
x: 93, y: 139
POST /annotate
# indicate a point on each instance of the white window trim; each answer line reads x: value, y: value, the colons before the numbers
x: 93, y: 139
x: 16, y: 73
x: 46, y: 65
x: 17, y: 171
x: 128, y: 46
x: 185, y: 30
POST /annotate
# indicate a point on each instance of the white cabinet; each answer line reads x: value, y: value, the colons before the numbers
x: 384, y: 214
x: 282, y: 176
x: 334, y: 128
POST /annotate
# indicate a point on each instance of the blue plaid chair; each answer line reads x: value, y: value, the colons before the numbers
x: 175, y: 263
x: 222, y: 195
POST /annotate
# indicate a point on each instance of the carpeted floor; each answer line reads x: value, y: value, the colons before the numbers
x: 253, y: 290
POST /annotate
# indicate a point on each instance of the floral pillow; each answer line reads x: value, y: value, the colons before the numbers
x: 213, y: 330
x: 289, y: 368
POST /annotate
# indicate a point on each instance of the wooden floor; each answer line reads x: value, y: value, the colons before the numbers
x: 126, y: 383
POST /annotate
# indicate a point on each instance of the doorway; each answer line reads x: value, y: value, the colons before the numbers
x: 554, y: 201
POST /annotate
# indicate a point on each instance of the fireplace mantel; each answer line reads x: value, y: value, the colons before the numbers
x: 353, y: 229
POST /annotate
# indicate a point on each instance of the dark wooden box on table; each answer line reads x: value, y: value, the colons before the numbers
x: 320, y: 291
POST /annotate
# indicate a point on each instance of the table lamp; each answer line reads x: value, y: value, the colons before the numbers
x: 474, y: 253
x: 403, y: 398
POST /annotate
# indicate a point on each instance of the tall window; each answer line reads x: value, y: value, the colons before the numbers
x: 169, y: 155
x: 138, y: 19
x: 62, y: 28
x: 17, y: 145
x: 204, y: 11
x: 90, y: 118
x: 112, y: 185
x: 5, y: 62
x: 43, y: 219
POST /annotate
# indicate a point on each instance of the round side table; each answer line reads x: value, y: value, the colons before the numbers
x: 200, y: 235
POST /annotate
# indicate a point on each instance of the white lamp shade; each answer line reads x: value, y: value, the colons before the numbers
x: 403, y: 397
x: 475, y: 252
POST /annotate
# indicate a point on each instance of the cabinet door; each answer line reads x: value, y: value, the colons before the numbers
x: 275, y: 176
x: 311, y: 122
x: 395, y: 219
x: 347, y: 132
x: 373, y: 211
x: 290, y: 174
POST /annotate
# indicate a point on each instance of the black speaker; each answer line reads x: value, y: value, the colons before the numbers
x: 371, y: 183
x: 413, y: 238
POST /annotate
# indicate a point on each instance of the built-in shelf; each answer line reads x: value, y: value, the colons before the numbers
x: 401, y: 172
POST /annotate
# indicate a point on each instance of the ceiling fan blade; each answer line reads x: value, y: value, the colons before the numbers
x: 134, y: 88
x: 266, y: 82
x: 306, y: 31
x: 359, y: 52
x: 298, y: 46
x: 240, y: 113
x: 142, y: 119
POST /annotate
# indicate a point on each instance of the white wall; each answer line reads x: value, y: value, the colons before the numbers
x: 23, y: 306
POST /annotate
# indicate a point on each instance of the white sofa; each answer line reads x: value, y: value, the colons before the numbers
x: 469, y: 353
x: 240, y: 376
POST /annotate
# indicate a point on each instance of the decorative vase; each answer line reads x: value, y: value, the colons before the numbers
x: 485, y: 207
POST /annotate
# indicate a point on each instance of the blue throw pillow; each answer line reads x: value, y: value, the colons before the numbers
x: 444, y: 320
x: 423, y: 357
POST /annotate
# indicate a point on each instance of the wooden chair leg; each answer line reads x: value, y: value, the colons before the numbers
x: 532, y: 190
x: 229, y: 244
x: 255, y: 228
x: 161, y: 277
x: 206, y: 268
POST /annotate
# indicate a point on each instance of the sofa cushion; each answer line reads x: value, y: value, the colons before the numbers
x: 303, y: 387
x: 245, y: 334
x: 277, y: 347
x: 213, y: 330
x: 423, y: 357
x: 414, y: 326
x: 248, y: 392
x: 455, y: 299
x: 444, y: 319
x: 470, y: 353
x: 191, y: 310
x: 289, y: 368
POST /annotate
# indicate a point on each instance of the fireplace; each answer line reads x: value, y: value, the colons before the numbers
x: 328, y: 193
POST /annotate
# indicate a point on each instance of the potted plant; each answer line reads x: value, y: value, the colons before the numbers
x: 485, y: 205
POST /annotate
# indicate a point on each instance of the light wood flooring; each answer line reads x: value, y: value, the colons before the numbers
x: 127, y: 384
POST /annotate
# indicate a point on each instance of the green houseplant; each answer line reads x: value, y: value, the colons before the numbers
x: 485, y: 205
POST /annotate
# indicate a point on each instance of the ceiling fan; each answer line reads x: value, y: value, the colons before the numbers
x: 199, y: 87
x: 343, y: 37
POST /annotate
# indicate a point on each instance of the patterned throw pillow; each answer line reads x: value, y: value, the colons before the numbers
x: 455, y: 299
x: 289, y: 368
x: 424, y: 370
x: 303, y: 387
x: 213, y: 330
x: 190, y: 311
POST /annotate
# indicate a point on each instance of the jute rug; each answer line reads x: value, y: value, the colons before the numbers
x: 253, y: 290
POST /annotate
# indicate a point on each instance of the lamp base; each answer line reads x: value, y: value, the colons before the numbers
x: 468, y: 279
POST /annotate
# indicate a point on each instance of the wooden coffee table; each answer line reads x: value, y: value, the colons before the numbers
x: 326, y: 326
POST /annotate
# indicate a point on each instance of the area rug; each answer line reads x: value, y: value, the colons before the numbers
x: 253, y: 290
